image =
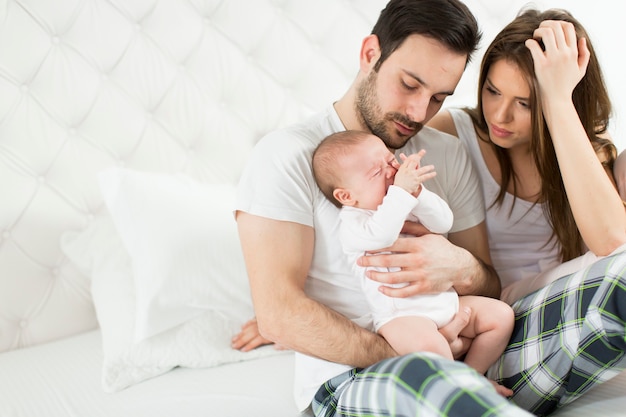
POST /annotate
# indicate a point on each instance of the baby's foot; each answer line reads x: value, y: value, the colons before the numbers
x: 501, y: 389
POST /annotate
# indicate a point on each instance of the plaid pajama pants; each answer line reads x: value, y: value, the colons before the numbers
x: 568, y: 337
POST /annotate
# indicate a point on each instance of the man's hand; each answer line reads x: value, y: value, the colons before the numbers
x: 249, y: 338
x: 428, y: 263
x: 431, y: 263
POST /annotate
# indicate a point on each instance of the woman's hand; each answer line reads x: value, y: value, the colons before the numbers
x: 249, y: 338
x: 562, y: 63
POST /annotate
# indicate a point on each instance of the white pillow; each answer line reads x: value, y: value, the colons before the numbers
x: 192, y: 239
x: 182, y: 238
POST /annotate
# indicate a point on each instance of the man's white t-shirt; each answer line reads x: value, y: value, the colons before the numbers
x: 278, y: 184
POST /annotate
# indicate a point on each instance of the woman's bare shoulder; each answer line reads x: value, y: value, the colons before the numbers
x: 443, y: 122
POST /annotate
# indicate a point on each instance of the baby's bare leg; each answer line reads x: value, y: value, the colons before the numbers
x: 490, y: 327
x: 415, y: 334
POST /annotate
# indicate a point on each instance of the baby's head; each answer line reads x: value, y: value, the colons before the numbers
x: 354, y: 168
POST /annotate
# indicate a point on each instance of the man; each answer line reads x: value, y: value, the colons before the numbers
x: 304, y: 295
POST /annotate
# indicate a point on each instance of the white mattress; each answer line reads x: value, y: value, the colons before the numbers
x: 62, y: 379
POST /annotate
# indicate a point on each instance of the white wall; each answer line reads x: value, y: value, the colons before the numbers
x: 605, y: 21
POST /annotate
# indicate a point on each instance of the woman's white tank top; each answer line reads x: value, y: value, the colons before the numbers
x: 519, y: 240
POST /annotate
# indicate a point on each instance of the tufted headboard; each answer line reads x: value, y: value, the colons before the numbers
x: 176, y: 86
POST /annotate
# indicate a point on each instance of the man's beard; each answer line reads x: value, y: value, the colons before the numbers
x: 371, y: 116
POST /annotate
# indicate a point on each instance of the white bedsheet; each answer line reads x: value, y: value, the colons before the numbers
x: 62, y: 379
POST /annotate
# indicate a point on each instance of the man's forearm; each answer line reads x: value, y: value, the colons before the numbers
x: 278, y: 257
x: 479, y: 279
x: 476, y: 275
x: 311, y: 328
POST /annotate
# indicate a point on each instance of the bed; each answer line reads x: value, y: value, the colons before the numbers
x: 124, y: 126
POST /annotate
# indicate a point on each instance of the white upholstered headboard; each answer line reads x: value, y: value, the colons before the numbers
x: 171, y: 86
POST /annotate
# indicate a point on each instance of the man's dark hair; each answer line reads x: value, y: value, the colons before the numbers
x: 447, y: 21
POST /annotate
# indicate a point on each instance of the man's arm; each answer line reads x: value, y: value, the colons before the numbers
x: 278, y: 256
x: 432, y: 263
x: 483, y: 280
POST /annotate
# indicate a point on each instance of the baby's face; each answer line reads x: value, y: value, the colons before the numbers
x: 369, y: 171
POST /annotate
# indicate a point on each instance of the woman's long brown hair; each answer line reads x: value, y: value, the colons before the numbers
x: 591, y: 101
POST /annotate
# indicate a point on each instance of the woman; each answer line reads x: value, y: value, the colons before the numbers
x: 538, y: 138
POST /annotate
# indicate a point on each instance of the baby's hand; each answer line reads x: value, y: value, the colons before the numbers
x: 411, y: 175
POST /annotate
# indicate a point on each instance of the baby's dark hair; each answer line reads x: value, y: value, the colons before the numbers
x: 327, y: 160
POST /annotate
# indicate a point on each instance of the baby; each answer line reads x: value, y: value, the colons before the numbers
x: 376, y: 194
